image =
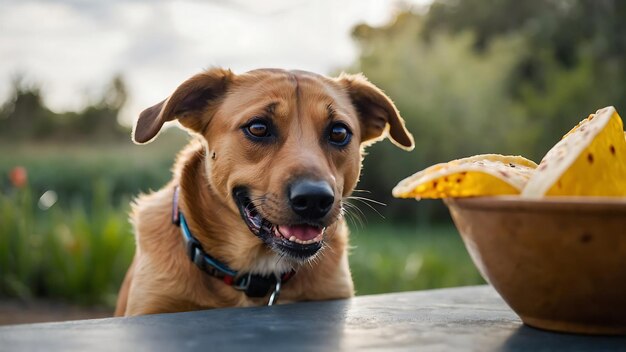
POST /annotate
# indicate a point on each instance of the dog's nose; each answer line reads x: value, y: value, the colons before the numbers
x: 311, y: 199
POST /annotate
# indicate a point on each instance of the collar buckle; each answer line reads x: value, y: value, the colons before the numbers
x: 254, y: 285
x: 259, y: 286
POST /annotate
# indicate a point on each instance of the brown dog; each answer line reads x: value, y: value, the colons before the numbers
x: 257, y: 200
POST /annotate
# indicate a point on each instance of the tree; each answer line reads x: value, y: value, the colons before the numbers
x: 490, y: 76
x: 24, y: 116
x: 454, y: 100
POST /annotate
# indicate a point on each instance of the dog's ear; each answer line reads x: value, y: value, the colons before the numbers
x: 192, y: 103
x: 376, y: 112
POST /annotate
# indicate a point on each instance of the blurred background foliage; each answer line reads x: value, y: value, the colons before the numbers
x: 489, y: 76
x: 469, y: 77
x: 25, y: 117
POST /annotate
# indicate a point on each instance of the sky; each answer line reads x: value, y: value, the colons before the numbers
x: 73, y: 48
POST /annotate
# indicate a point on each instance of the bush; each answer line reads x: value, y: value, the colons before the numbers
x: 63, y: 252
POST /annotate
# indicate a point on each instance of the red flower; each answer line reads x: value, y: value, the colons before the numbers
x: 18, y: 176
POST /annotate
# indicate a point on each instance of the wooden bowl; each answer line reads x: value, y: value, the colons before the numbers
x: 559, y: 263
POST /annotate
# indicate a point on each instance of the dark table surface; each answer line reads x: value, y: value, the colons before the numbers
x: 468, y: 318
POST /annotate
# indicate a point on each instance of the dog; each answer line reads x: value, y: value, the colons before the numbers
x: 253, y: 213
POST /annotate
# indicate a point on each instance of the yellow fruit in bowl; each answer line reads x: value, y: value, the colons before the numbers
x: 480, y: 175
x: 590, y: 160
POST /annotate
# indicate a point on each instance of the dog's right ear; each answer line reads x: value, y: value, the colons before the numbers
x: 192, y: 103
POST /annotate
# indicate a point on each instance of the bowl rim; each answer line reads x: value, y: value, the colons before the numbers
x: 561, y: 203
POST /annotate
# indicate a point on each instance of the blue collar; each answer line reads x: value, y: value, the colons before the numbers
x: 253, y: 285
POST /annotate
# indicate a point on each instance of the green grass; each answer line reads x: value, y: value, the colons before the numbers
x: 391, y: 258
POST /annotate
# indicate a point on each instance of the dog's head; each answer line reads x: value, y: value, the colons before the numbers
x: 283, y: 148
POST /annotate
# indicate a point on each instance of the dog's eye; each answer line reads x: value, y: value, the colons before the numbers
x: 339, y: 134
x: 258, y: 129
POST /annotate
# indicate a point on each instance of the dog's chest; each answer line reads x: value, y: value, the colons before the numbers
x: 270, y: 264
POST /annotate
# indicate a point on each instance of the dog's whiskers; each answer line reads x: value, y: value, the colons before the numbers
x: 314, y: 260
x: 367, y: 202
x: 354, y: 217
x: 330, y: 248
x: 355, y: 211
x: 365, y: 199
x: 344, y: 213
x: 350, y: 217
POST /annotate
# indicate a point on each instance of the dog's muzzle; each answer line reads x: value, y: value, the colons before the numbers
x: 296, y: 241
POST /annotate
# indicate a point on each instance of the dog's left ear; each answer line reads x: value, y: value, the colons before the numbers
x: 192, y: 103
x: 376, y: 112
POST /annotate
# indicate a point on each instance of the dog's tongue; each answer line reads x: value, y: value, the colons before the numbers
x: 301, y: 232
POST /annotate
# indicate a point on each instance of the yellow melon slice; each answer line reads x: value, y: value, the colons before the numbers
x: 480, y: 175
x: 590, y: 160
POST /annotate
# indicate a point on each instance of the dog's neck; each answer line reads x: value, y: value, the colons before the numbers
x: 219, y: 229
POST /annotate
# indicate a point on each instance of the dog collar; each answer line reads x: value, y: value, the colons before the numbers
x: 253, y: 285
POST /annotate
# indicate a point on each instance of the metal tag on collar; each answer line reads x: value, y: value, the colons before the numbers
x: 276, y: 292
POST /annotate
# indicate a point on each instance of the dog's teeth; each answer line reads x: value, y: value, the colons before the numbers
x: 294, y: 239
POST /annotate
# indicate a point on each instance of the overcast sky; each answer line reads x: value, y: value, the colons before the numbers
x: 74, y: 47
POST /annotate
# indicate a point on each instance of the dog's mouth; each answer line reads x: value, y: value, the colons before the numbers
x: 298, y: 241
